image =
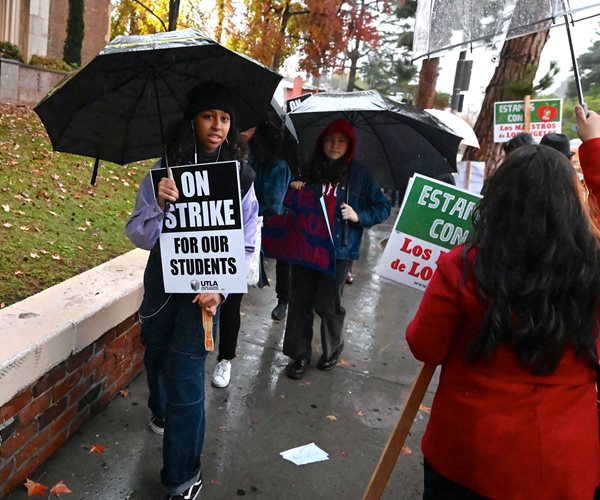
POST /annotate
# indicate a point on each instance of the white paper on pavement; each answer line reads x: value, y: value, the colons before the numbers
x: 306, y: 454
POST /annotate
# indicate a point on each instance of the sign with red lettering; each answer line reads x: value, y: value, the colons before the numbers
x: 434, y: 217
x: 301, y: 235
x: 509, y: 118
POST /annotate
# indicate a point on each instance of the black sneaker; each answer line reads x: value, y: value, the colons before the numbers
x: 280, y: 311
x: 157, y: 425
x: 190, y: 494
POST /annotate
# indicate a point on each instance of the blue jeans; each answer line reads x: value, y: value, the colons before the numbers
x: 174, y: 341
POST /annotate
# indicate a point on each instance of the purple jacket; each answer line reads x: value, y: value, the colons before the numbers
x: 145, y: 223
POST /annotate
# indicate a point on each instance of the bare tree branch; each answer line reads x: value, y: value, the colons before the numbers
x: 152, y: 12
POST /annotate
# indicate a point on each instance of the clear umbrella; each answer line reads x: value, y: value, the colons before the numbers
x: 442, y: 25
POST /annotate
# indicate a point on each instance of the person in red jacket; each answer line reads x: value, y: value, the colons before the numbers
x: 512, y: 318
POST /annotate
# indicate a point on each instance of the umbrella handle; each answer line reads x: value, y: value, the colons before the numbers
x: 575, y: 67
x: 345, y: 226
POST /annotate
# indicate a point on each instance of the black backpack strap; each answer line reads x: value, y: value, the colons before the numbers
x: 246, y: 178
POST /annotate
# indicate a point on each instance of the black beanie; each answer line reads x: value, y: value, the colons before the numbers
x: 209, y: 95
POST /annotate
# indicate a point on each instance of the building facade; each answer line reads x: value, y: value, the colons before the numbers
x: 39, y: 27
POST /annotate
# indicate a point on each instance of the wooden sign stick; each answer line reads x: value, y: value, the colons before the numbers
x: 392, y: 450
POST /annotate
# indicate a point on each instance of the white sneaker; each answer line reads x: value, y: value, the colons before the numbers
x: 222, y: 374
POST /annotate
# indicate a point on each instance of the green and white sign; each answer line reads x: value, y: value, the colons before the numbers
x: 509, y: 118
x: 434, y: 217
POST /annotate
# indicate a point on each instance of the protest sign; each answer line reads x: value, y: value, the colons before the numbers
x: 294, y: 102
x: 509, y: 118
x: 301, y: 235
x: 202, y: 240
x: 434, y: 217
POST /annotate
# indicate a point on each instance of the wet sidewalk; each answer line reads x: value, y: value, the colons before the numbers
x: 348, y: 412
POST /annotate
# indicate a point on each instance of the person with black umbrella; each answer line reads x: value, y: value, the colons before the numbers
x: 172, y: 324
x: 352, y: 200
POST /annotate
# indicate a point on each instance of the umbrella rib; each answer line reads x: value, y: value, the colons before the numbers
x: 131, y: 115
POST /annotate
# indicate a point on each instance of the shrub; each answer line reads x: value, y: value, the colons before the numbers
x: 75, y: 29
x: 49, y: 63
x: 10, y: 51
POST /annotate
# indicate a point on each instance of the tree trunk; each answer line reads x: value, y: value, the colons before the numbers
x: 427, y: 80
x: 516, y: 55
x: 278, y: 54
x: 220, y: 20
x: 173, y: 14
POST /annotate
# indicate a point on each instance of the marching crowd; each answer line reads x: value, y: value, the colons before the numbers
x: 511, y: 315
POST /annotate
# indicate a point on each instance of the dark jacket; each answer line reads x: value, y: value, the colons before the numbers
x: 270, y: 184
x: 368, y: 201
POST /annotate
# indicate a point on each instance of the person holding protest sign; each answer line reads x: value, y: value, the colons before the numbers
x: 512, y: 317
x: 271, y: 182
x: 351, y: 196
x: 172, y: 331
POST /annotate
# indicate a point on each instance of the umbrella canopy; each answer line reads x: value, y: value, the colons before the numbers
x: 459, y: 126
x: 120, y: 105
x: 444, y: 25
x: 393, y: 140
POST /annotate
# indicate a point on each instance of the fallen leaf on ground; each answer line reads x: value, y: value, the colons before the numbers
x: 34, y: 255
x: 34, y: 488
x: 55, y: 256
x: 18, y: 273
x: 7, y: 225
x: 59, y: 488
x: 124, y: 393
x: 307, y: 382
x: 100, y: 247
x: 331, y: 417
x: 344, y: 362
x: 344, y: 454
x: 6, y: 208
x: 97, y: 448
x: 425, y: 409
x: 215, y: 481
x: 25, y: 228
x: 406, y: 450
x: 360, y: 413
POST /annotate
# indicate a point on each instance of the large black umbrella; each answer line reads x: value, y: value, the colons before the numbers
x: 393, y: 140
x: 119, y: 106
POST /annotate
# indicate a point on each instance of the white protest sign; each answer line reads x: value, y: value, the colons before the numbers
x: 434, y: 217
x: 202, y: 240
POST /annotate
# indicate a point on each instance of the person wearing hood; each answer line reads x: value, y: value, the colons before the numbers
x: 352, y: 197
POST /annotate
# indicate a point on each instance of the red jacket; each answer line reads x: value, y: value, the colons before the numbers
x: 495, y: 427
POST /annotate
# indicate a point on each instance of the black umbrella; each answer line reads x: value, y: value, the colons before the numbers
x: 120, y: 105
x: 392, y: 140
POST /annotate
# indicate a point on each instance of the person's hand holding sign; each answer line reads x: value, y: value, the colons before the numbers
x: 349, y: 214
x: 167, y: 190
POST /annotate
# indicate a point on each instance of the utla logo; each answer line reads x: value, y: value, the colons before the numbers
x: 546, y: 112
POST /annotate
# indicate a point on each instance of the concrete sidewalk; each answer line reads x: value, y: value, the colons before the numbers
x: 348, y: 412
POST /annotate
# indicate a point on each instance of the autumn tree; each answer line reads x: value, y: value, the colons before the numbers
x: 517, y: 58
x: 361, y: 34
x: 142, y: 17
x: 270, y: 33
x: 389, y: 69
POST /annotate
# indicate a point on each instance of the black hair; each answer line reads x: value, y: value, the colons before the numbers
x: 521, y: 139
x: 537, y: 261
x: 265, y: 144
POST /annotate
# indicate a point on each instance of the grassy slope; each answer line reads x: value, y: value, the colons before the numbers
x: 53, y: 223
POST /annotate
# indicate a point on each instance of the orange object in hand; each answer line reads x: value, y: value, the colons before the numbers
x: 207, y: 324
